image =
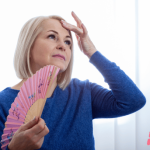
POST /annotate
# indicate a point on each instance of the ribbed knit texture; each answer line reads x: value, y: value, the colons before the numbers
x: 68, y: 114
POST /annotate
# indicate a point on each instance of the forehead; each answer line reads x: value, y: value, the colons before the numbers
x: 53, y: 24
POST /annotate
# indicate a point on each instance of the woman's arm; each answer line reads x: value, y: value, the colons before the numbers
x: 124, y: 97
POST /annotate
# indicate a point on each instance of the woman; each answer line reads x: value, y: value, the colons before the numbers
x: 72, y: 104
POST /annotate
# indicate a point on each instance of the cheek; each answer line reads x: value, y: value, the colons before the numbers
x: 70, y: 53
x: 41, y: 51
x: 42, y: 48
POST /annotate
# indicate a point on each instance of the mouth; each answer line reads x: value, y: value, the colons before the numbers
x: 59, y: 56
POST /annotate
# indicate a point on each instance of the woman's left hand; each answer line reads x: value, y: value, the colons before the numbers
x: 84, y: 42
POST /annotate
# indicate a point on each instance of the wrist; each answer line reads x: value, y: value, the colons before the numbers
x: 91, y: 53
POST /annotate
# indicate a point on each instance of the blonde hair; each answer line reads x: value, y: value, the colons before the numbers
x: 27, y: 36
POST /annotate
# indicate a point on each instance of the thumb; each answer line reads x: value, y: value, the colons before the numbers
x: 30, y: 124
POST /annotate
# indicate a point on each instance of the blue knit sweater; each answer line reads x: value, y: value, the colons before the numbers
x: 68, y: 114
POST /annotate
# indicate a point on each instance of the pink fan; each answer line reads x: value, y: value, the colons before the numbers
x: 29, y: 102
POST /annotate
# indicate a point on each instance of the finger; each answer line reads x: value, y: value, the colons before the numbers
x: 73, y: 28
x: 28, y: 125
x: 42, y: 133
x: 39, y: 143
x: 37, y: 128
x: 79, y: 22
x: 85, y: 32
x: 79, y: 41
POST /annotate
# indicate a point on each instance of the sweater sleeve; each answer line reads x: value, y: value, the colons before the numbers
x: 124, y: 97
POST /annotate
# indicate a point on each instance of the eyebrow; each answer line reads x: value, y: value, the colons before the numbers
x: 57, y: 33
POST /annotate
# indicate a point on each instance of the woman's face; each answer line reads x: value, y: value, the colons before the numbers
x: 49, y: 43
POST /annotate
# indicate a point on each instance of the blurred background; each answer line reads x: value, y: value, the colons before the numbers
x: 119, y: 29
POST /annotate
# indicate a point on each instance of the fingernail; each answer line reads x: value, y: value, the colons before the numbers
x: 33, y: 118
x: 64, y: 23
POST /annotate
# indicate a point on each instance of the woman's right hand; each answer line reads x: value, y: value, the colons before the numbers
x: 29, y: 136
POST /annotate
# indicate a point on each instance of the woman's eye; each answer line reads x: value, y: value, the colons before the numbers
x: 69, y: 42
x: 54, y: 36
x: 51, y: 35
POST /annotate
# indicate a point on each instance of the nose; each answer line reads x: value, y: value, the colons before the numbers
x: 61, y: 45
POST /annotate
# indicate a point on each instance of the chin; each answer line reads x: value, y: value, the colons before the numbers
x: 61, y: 70
x: 59, y: 65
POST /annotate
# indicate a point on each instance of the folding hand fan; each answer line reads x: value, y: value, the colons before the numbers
x: 29, y: 102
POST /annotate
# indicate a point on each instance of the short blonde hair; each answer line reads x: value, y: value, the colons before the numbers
x: 27, y: 36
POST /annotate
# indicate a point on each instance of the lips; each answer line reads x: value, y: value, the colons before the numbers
x: 59, y: 56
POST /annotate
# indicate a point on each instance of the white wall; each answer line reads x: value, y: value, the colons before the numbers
x: 143, y: 120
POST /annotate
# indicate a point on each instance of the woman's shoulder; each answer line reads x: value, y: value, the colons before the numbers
x: 80, y: 83
x: 5, y: 90
x: 8, y: 93
x: 8, y: 89
x: 76, y: 80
